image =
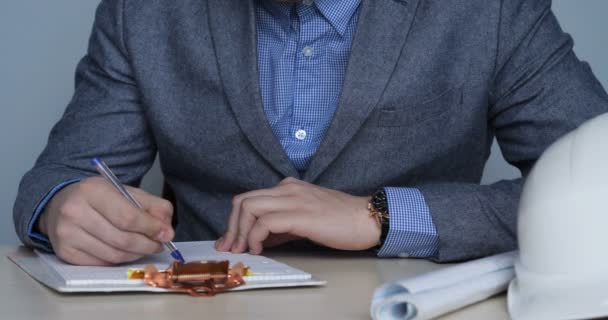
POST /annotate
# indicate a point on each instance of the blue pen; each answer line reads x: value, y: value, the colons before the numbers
x: 105, y: 171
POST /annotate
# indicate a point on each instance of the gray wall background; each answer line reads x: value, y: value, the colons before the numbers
x: 41, y: 42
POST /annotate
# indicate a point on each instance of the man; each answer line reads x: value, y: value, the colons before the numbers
x: 355, y: 124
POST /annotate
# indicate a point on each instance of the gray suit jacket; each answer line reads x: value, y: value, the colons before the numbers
x: 429, y: 84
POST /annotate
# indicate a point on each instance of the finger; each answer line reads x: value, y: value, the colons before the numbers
x: 126, y: 217
x: 271, y: 223
x: 290, y: 180
x: 156, y: 206
x: 274, y: 240
x: 100, y: 228
x: 230, y: 236
x: 225, y: 242
x: 255, y: 207
x: 81, y: 258
x: 218, y: 243
x: 98, y: 249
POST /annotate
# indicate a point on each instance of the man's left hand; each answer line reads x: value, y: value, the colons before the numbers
x: 297, y: 209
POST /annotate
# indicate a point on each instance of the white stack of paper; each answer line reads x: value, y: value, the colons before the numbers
x: 439, y: 292
x: 266, y: 272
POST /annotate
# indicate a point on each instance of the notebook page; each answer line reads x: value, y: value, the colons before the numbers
x: 263, y: 269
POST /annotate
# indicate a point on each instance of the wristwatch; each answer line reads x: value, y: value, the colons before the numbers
x: 378, y: 208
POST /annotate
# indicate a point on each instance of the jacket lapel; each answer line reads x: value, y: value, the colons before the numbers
x: 381, y: 33
x: 233, y: 29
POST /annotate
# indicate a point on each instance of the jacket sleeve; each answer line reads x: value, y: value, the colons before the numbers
x: 540, y: 92
x: 104, y: 119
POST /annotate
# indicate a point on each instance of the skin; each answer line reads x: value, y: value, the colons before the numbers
x: 296, y: 209
x: 90, y: 223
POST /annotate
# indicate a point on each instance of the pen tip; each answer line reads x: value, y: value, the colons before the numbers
x: 177, y: 256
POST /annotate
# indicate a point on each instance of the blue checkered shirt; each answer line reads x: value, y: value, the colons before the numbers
x: 302, y: 55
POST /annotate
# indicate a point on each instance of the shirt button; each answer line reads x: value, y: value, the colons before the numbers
x: 308, y: 51
x: 300, y: 134
x: 403, y: 255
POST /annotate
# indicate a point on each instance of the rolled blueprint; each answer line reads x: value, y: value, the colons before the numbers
x: 438, y: 292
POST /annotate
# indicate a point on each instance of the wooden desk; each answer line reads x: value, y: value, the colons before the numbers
x: 351, y: 278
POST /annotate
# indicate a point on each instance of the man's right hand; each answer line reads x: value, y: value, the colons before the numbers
x: 91, y: 223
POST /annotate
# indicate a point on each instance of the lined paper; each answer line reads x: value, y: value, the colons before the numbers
x: 264, y: 269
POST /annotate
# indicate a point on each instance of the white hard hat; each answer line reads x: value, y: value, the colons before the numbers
x: 562, y: 270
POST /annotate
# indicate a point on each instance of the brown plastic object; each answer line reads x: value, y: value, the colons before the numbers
x: 203, y: 278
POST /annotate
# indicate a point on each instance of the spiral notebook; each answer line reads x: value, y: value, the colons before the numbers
x: 266, y: 272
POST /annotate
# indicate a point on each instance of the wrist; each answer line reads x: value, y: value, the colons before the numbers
x: 368, y: 230
x: 373, y: 229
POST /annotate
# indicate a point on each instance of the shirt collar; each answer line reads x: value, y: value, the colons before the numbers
x: 337, y: 12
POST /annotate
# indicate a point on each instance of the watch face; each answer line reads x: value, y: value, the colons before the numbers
x: 379, y: 201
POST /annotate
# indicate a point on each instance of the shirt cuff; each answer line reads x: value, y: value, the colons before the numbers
x: 31, y: 230
x: 411, y: 229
